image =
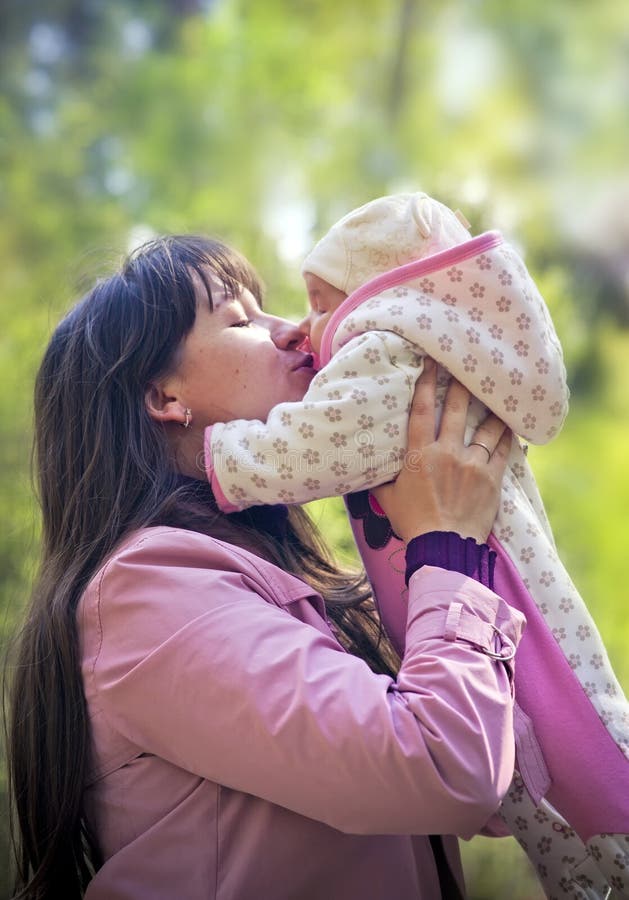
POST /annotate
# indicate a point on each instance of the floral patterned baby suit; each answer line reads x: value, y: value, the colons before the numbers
x: 475, y: 309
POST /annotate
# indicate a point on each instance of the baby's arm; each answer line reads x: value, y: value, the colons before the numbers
x: 483, y: 319
x: 348, y: 433
x: 509, y: 354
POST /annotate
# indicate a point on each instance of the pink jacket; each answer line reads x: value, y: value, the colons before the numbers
x: 240, y: 753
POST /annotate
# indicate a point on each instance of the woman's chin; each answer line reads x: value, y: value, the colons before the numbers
x: 303, y: 375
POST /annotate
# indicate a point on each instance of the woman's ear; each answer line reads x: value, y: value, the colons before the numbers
x: 163, y: 407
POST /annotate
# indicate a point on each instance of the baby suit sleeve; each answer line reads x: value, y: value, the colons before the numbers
x: 348, y: 433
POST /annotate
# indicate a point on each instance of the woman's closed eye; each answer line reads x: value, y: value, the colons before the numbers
x: 243, y: 323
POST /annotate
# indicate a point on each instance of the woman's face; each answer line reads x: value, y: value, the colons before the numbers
x: 238, y: 361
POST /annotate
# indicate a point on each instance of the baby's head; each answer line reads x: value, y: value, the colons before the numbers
x: 323, y: 299
x: 379, y: 236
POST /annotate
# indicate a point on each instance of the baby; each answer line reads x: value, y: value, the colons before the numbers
x: 394, y: 281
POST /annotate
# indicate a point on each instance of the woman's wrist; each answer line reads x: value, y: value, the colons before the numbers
x: 448, y: 550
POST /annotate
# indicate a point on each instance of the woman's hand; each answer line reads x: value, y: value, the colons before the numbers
x: 444, y: 485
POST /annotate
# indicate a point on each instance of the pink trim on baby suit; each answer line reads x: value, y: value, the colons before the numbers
x: 480, y: 244
x: 588, y: 770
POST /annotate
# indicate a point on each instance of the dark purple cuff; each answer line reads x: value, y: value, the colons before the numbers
x: 449, y: 550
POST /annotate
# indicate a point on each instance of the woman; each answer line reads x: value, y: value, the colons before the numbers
x: 186, y: 719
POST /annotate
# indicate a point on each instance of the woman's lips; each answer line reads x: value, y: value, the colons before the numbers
x: 305, y: 363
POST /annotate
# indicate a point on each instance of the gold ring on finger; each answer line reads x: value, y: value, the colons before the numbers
x: 484, y: 446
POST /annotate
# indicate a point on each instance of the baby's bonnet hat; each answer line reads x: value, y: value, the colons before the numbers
x: 382, y: 234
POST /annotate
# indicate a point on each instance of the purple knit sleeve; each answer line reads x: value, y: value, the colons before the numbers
x: 449, y: 550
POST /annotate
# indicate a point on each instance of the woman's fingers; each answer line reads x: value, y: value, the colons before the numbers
x: 500, y: 456
x: 454, y: 417
x: 421, y: 421
x: 492, y: 439
x: 443, y: 484
x: 487, y: 436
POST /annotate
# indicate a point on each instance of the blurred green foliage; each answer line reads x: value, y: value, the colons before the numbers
x: 262, y: 123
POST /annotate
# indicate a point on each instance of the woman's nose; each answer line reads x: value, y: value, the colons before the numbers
x: 288, y: 335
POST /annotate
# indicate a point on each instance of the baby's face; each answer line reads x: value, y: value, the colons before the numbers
x: 323, y: 298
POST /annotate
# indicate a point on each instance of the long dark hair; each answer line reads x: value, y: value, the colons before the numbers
x: 102, y: 470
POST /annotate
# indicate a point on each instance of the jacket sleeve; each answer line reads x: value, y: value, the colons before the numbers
x: 348, y: 433
x: 196, y: 666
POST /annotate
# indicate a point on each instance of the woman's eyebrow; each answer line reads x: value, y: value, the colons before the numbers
x: 247, y: 303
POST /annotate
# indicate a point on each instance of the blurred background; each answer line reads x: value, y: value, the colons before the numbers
x: 262, y: 123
